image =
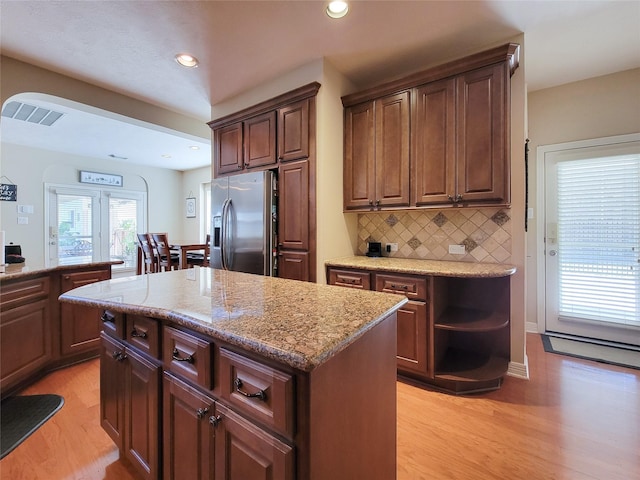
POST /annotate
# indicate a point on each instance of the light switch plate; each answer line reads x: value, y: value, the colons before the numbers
x: 23, y: 220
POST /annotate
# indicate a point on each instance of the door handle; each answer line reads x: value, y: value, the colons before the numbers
x: 553, y: 253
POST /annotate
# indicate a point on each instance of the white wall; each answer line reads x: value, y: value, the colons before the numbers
x: 192, y: 180
x: 597, y: 107
x: 30, y: 168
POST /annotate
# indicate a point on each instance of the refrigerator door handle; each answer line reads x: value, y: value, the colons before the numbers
x: 223, y: 234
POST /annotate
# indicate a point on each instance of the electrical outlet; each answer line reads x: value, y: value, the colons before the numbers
x: 392, y: 247
x: 457, y: 249
x: 23, y: 220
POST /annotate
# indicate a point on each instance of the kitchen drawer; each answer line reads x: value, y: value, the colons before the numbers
x: 23, y: 292
x: 350, y: 278
x: 261, y: 392
x: 113, y: 323
x: 414, y: 287
x: 188, y: 356
x: 144, y: 334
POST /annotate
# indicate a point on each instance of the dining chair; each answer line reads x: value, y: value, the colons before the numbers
x: 167, y: 259
x: 200, y: 259
x: 149, y: 257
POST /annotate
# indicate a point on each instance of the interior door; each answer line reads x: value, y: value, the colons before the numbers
x: 592, y: 242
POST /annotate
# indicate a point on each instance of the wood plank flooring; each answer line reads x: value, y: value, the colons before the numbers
x: 574, y: 419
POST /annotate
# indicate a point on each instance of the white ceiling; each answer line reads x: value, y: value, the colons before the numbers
x: 128, y: 47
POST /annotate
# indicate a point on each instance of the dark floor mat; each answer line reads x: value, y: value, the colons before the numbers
x: 22, y: 415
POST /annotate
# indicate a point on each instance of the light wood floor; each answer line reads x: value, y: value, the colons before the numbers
x: 572, y: 420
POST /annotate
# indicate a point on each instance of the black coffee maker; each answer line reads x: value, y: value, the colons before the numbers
x: 374, y: 249
x: 13, y: 254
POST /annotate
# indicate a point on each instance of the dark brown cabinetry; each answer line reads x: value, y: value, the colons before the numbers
x: 293, y: 131
x: 452, y: 148
x: 188, y: 435
x: 376, y: 160
x: 278, y: 134
x: 37, y: 332
x: 25, y: 329
x: 413, y: 333
x: 80, y: 326
x: 460, y: 142
x: 130, y: 404
x: 454, y: 331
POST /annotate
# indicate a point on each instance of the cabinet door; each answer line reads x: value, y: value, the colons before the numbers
x: 359, y: 162
x: 392, y: 150
x: 434, y: 148
x: 80, y: 326
x: 112, y: 375
x: 245, y: 452
x: 482, y: 141
x: 260, y: 140
x: 293, y: 265
x: 142, y: 415
x: 25, y: 335
x: 413, y: 338
x: 293, y: 206
x: 228, y: 149
x: 187, y: 433
x: 293, y: 131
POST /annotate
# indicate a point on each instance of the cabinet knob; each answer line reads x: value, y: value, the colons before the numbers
x: 118, y: 356
x: 201, y: 412
x: 215, y: 421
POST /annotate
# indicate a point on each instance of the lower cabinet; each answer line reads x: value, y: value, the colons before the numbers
x: 188, y: 436
x: 130, y: 405
x: 453, y: 333
x: 80, y: 326
x: 204, y: 410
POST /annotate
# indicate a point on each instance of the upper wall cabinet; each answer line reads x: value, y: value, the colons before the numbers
x: 261, y: 136
x: 376, y: 159
x: 450, y: 146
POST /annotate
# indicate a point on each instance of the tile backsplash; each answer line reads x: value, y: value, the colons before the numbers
x: 427, y: 234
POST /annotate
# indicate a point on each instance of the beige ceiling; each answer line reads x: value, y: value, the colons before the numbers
x: 128, y: 46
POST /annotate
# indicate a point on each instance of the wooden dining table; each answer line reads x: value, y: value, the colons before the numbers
x: 183, y: 247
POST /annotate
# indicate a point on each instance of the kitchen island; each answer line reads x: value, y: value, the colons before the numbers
x: 213, y: 374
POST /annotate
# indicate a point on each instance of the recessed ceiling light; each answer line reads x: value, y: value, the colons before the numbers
x: 337, y: 9
x: 194, y: 147
x: 187, y: 60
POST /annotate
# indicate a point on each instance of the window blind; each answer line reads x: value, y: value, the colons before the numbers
x: 599, y: 239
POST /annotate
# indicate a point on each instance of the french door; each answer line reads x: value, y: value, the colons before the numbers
x: 592, y: 241
x: 93, y: 224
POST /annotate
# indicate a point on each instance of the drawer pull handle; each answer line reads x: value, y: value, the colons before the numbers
x: 107, y: 317
x: 136, y: 333
x: 201, y: 412
x: 118, y: 356
x: 261, y: 394
x: 176, y: 356
x: 215, y: 420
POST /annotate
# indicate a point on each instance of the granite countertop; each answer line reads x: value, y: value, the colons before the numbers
x: 439, y: 268
x: 24, y: 270
x: 300, y: 324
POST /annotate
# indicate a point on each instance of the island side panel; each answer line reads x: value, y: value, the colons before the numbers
x: 352, y: 409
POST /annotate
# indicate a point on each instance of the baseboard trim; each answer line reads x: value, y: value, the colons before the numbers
x: 531, y: 327
x: 519, y: 370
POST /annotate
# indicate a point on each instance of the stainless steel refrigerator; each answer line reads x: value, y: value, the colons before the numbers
x: 243, y: 233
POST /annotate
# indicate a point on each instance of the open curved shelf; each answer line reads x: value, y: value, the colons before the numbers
x: 467, y: 366
x: 471, y: 320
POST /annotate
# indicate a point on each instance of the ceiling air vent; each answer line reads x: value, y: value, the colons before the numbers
x: 30, y: 113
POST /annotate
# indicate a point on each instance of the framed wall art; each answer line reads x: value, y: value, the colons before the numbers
x: 101, y: 178
x: 190, y: 207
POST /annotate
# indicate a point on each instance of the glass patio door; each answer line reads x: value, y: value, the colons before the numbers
x: 592, y: 242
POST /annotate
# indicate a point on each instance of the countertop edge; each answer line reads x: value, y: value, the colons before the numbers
x: 439, y: 268
x: 9, y: 275
x: 297, y: 361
